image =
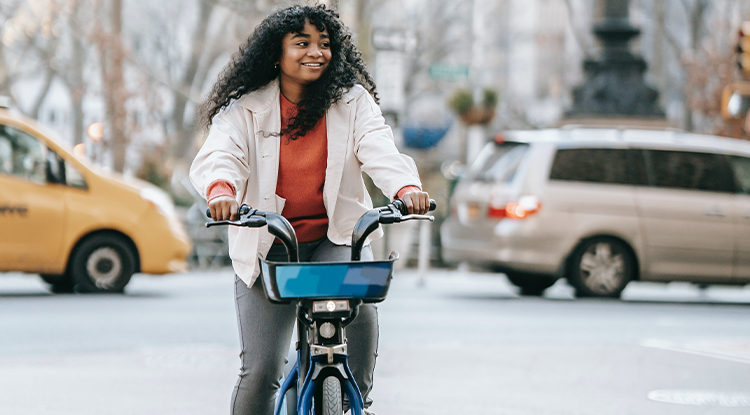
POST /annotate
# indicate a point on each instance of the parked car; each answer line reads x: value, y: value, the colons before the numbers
x: 76, y: 225
x: 602, y: 207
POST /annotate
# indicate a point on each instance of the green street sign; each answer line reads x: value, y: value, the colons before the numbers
x: 449, y: 72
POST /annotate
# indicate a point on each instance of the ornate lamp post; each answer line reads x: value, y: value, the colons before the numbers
x: 614, y: 86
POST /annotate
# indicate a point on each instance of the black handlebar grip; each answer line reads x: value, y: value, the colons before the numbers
x: 243, y: 210
x: 401, y: 206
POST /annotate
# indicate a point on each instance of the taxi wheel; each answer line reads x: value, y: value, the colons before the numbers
x: 59, y: 283
x: 102, y: 263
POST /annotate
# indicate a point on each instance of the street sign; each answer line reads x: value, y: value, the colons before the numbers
x: 448, y: 72
x: 393, y: 39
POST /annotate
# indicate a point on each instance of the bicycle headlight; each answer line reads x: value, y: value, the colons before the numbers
x: 327, y: 330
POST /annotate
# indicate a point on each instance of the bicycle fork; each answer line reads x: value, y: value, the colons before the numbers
x: 323, y: 360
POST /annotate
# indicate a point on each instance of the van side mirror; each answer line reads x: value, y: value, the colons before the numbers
x: 735, y: 101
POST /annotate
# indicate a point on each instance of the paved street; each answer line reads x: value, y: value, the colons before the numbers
x: 463, y: 343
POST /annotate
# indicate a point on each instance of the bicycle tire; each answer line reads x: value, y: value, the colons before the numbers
x: 331, y: 402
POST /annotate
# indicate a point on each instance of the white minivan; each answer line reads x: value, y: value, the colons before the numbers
x: 602, y: 207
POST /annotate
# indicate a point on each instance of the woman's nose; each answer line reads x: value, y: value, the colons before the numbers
x: 315, y: 52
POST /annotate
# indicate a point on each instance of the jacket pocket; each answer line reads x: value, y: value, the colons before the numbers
x: 280, y: 202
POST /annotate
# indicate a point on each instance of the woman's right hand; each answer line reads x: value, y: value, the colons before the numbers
x: 223, y: 208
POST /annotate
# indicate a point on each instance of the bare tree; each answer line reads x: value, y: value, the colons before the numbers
x: 216, y: 29
x: 30, y: 39
x: 702, y: 38
x: 111, y: 53
x: 443, y: 32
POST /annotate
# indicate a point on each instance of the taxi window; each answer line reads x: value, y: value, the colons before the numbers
x: 22, y: 155
x: 73, y: 177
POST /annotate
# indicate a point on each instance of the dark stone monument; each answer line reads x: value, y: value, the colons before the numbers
x: 614, y: 86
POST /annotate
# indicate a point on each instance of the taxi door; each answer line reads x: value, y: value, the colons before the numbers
x: 32, y: 206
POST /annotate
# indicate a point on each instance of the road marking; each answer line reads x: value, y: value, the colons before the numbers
x: 732, y: 351
x: 700, y: 397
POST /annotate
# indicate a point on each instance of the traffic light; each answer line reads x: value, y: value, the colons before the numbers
x: 743, y: 48
x: 735, y: 101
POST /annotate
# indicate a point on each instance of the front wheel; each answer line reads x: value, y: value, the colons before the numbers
x: 330, y: 398
x: 601, y: 267
x: 59, y: 283
x: 102, y: 263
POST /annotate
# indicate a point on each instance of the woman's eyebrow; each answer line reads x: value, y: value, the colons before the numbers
x: 298, y: 34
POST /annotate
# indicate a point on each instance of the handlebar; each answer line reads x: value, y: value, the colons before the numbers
x: 278, y: 226
x: 393, y: 213
x: 282, y: 229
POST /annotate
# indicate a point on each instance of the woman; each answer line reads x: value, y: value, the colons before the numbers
x: 293, y: 121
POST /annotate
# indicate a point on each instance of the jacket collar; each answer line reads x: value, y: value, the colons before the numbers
x: 262, y: 100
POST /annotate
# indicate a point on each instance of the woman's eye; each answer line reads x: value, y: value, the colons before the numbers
x: 326, y: 45
x: 302, y: 44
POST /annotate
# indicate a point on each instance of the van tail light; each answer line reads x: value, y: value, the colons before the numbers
x: 525, y: 207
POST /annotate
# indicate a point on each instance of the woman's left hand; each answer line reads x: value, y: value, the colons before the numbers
x: 417, y: 202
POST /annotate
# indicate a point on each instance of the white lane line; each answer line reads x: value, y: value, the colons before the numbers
x: 700, y: 397
x: 707, y: 349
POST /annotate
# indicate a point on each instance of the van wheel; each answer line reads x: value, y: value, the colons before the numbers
x: 102, y: 263
x: 530, y: 284
x: 59, y: 283
x: 601, y: 267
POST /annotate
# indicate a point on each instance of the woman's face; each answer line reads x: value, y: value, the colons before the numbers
x: 304, y: 55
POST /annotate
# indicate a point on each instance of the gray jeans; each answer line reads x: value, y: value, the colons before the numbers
x: 266, y: 331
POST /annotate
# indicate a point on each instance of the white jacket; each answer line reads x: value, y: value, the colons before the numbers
x: 241, y: 149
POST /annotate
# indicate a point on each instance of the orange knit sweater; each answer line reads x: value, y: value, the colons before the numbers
x: 302, y: 171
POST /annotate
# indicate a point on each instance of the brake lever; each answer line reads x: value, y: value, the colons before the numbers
x: 223, y: 222
x: 418, y: 217
x: 248, y: 221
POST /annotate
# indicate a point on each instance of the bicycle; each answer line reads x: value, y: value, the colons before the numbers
x: 328, y: 295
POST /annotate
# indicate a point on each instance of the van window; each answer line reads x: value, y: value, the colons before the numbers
x: 741, y: 169
x: 497, y: 162
x: 598, y: 165
x: 22, y: 155
x: 688, y: 170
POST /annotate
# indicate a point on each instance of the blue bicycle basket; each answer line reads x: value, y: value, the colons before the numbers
x: 367, y: 280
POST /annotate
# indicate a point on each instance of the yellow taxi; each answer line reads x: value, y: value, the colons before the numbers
x: 81, y: 228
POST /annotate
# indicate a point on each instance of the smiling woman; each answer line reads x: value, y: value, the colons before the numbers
x: 293, y: 122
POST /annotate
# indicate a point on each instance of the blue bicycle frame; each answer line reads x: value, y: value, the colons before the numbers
x: 341, y: 287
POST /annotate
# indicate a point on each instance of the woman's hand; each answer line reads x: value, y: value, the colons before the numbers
x: 417, y: 202
x: 223, y: 208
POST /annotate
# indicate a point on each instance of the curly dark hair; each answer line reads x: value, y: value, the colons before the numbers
x: 252, y: 67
